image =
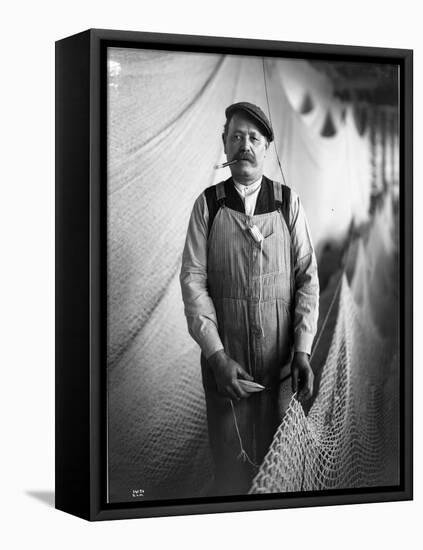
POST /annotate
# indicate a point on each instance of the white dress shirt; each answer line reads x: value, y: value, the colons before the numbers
x: 249, y: 194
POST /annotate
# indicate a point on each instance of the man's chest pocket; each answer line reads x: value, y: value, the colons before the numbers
x: 273, y: 255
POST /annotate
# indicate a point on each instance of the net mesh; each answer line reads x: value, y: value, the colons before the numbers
x: 350, y: 437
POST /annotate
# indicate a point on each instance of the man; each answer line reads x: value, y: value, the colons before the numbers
x: 250, y: 288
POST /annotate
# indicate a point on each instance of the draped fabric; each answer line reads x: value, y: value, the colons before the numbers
x: 165, y: 120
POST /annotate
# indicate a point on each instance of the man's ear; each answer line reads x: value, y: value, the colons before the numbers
x: 224, y: 145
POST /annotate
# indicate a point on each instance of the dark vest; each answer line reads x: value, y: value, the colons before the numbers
x: 265, y: 201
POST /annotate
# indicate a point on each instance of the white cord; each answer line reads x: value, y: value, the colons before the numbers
x: 243, y: 454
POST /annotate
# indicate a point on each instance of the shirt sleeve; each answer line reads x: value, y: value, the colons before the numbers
x: 305, y: 277
x: 199, y: 308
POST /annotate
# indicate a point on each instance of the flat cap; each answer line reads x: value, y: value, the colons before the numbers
x: 255, y: 113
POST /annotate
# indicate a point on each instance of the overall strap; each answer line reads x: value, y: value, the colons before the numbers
x: 282, y: 195
x: 215, y: 197
x: 220, y: 193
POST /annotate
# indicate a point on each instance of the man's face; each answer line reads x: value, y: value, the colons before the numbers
x: 246, y: 143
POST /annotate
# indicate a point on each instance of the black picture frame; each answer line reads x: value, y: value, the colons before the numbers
x: 81, y: 279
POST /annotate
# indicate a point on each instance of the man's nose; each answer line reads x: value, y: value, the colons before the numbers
x: 245, y: 144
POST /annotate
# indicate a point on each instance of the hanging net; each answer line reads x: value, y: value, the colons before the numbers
x: 350, y: 437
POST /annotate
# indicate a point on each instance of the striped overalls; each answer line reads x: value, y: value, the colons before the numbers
x: 251, y: 286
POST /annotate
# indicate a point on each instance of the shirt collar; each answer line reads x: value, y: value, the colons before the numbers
x: 248, y: 189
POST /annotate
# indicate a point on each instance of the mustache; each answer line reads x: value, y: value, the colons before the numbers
x: 245, y: 156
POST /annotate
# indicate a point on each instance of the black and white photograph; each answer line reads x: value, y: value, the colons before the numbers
x: 210, y: 287
x: 253, y: 275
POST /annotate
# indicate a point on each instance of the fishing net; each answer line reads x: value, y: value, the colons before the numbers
x: 350, y: 437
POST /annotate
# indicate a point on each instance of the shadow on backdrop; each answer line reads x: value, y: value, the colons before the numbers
x: 46, y: 497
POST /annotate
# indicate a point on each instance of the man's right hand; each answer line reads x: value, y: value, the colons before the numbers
x: 226, y: 373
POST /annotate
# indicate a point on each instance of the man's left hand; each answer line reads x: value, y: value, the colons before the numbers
x: 302, y: 376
